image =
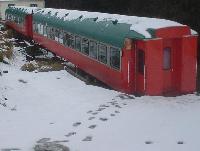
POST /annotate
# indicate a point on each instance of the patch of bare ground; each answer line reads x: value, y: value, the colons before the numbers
x: 44, y: 65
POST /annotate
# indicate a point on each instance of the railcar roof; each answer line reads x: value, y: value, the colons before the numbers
x: 18, y: 10
x: 108, y: 28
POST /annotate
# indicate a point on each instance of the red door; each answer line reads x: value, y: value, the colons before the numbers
x: 140, y: 68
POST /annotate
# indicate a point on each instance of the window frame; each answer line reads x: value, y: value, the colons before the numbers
x: 100, y: 44
x: 84, y: 44
x: 93, y: 41
x: 110, y: 57
x: 33, y: 5
x: 80, y: 39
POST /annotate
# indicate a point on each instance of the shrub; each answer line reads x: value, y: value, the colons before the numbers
x: 28, y: 67
x: 9, y: 33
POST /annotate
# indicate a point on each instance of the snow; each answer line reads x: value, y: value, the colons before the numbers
x: 138, y: 24
x: 46, y: 105
x: 28, y: 10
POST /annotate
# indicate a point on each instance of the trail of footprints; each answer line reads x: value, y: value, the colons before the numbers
x: 117, y: 105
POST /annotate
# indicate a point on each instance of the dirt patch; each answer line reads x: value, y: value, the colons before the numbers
x: 43, y: 65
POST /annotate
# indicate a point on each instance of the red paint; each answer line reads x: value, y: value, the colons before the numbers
x: 154, y: 67
x: 188, y: 72
x: 116, y: 79
x: 173, y: 32
x: 140, y: 78
x: 180, y: 79
x: 29, y: 25
x: 25, y: 29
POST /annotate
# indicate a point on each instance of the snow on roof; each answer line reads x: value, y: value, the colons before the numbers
x: 138, y: 24
x: 26, y: 9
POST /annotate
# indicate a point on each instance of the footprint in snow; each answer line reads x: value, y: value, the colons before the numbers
x: 125, y: 96
x: 117, y: 112
x: 87, y: 138
x: 10, y: 149
x: 77, y: 124
x: 94, y: 113
x: 103, y: 119
x: 5, y: 71
x: 100, y: 109
x: 113, y: 103
x: 118, y: 106
x: 180, y: 142
x: 61, y: 141
x: 43, y: 140
x: 92, y: 126
x: 91, y: 118
x: 70, y: 134
x: 103, y: 106
x: 148, y: 142
x: 90, y: 111
x: 22, y: 81
x: 112, y: 114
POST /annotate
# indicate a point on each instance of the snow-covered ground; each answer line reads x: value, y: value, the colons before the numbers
x: 58, y: 106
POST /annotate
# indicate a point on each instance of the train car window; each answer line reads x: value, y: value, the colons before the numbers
x: 7, y: 16
x: 48, y: 32
x: 45, y: 31
x: 33, y: 5
x: 102, y: 53
x: 36, y: 28
x: 65, y: 39
x: 52, y: 33
x: 93, y: 49
x: 20, y: 22
x: 33, y: 26
x: 16, y: 19
x: 41, y: 29
x: 115, y: 58
x: 71, y: 42
x: 78, y: 43
x: 141, y: 61
x: 57, y: 32
x: 85, y: 46
x: 61, y: 37
x: 167, y: 58
x: 9, y: 5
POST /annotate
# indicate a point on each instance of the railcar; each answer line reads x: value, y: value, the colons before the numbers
x: 131, y: 54
x: 20, y: 19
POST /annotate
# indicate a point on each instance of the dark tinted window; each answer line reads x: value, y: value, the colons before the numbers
x: 33, y: 5
x: 69, y: 40
x: 93, y: 49
x: 78, y: 43
x: 141, y: 61
x: 85, y: 46
x: 9, y: 5
x: 102, y: 55
x: 167, y: 58
x: 115, y: 58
